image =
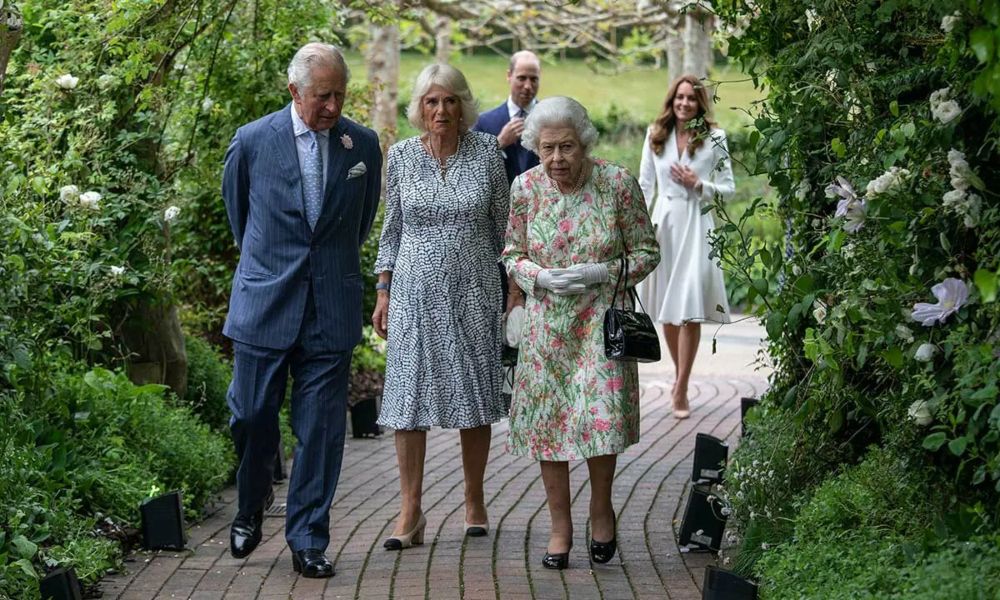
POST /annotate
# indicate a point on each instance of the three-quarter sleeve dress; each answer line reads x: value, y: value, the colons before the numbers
x: 571, y: 402
x: 688, y: 284
x: 441, y: 238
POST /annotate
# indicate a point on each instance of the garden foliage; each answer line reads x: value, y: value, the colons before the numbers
x: 879, y: 136
x: 113, y: 123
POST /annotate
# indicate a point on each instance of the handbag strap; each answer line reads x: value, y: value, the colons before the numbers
x: 623, y: 272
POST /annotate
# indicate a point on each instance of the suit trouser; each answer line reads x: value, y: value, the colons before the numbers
x: 318, y: 419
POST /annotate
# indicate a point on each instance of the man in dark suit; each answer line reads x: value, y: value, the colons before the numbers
x: 507, y: 120
x: 301, y: 188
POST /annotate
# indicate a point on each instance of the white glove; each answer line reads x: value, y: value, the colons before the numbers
x: 561, y: 282
x: 592, y: 273
x: 512, y: 326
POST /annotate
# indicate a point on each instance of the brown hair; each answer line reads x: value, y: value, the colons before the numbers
x: 666, y: 122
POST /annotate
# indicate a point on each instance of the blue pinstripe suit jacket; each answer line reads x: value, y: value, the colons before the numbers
x: 281, y: 259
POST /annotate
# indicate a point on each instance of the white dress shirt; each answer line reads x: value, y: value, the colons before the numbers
x: 513, y: 109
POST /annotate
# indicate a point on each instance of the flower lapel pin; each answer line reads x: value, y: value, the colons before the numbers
x: 347, y: 141
x: 357, y: 170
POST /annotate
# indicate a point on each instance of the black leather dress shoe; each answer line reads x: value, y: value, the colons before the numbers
x: 246, y: 532
x: 311, y: 563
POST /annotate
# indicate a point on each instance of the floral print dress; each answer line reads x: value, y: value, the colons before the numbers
x: 570, y: 402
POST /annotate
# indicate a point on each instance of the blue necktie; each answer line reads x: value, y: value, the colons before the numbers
x: 312, y: 180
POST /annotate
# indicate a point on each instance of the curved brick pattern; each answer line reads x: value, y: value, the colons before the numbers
x: 650, y: 493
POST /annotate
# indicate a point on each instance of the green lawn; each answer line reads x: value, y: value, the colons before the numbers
x: 639, y: 93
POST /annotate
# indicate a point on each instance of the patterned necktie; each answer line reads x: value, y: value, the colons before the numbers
x: 312, y: 180
x: 521, y: 113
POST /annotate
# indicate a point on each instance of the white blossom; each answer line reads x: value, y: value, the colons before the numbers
x: 106, y: 82
x: 948, y: 22
x: 943, y: 108
x: 819, y: 312
x: 959, y: 170
x: 67, y: 81
x: 170, y: 215
x: 207, y: 104
x: 796, y: 270
x: 90, y: 200
x: 831, y: 79
x: 813, y: 20
x: 920, y: 413
x: 116, y: 271
x: 892, y: 178
x: 853, y: 212
x: 926, y: 352
x: 69, y: 193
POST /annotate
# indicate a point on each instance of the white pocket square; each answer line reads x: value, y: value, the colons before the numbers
x: 357, y: 170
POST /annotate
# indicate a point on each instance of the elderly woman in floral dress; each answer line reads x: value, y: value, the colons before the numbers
x: 572, y: 218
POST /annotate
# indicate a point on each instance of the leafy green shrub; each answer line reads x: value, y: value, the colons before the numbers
x: 209, y: 374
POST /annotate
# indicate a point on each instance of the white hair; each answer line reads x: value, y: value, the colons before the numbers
x: 559, y: 111
x: 450, y: 79
x: 312, y: 55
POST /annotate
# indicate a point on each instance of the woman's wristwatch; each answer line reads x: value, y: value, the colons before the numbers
x: 382, y: 286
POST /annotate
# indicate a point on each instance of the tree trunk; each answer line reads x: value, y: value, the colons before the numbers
x: 383, y: 75
x: 10, y: 35
x: 442, y: 40
x: 154, y: 338
x: 675, y: 55
x: 697, y: 43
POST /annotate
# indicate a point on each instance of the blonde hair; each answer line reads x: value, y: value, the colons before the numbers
x: 450, y: 79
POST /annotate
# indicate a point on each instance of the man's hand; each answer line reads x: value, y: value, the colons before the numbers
x: 511, y: 132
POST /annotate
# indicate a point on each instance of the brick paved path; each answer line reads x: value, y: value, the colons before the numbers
x: 649, y: 494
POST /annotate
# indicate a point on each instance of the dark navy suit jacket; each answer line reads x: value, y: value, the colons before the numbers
x: 518, y: 158
x: 281, y: 259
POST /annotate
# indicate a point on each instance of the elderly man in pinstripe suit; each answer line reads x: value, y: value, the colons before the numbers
x: 301, y: 188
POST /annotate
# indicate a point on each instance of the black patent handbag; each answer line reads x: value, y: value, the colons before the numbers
x: 629, y: 335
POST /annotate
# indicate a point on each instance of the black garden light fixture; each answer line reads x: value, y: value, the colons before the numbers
x: 726, y: 585
x: 710, y: 456
x: 704, y: 521
x: 163, y: 522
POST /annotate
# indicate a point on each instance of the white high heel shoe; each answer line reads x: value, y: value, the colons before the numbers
x: 414, y: 537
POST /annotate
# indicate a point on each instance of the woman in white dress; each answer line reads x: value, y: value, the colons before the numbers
x: 685, y: 164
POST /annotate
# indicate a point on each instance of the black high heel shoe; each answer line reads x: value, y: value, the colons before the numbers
x: 602, y: 552
x: 558, y: 561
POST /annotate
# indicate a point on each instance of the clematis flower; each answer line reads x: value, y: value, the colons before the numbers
x: 170, y: 215
x: 67, y: 81
x: 841, y: 187
x: 69, y: 193
x: 920, y: 413
x: 90, y: 200
x: 116, y: 271
x: 853, y: 212
x: 926, y: 352
x: 951, y: 294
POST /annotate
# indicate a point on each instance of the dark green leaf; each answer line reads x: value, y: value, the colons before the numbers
x: 935, y: 440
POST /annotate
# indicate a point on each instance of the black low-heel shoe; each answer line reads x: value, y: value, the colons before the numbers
x: 602, y: 552
x: 555, y: 561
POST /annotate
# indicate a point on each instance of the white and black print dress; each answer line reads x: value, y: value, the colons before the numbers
x: 441, y: 238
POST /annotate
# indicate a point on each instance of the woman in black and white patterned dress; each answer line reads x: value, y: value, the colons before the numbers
x: 439, y: 297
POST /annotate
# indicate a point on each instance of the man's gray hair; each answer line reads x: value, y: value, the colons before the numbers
x: 559, y: 111
x: 450, y: 79
x: 315, y: 54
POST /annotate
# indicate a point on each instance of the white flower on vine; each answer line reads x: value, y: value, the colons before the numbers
x: 853, y: 212
x: 926, y: 352
x: 116, y: 271
x: 831, y: 79
x: 69, y: 193
x: 951, y: 293
x: 948, y: 22
x: 959, y: 170
x: 920, y: 413
x: 943, y: 108
x: 170, y: 215
x: 90, y: 200
x: 892, y: 178
x: 813, y: 20
x: 207, y: 104
x: 67, y: 81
